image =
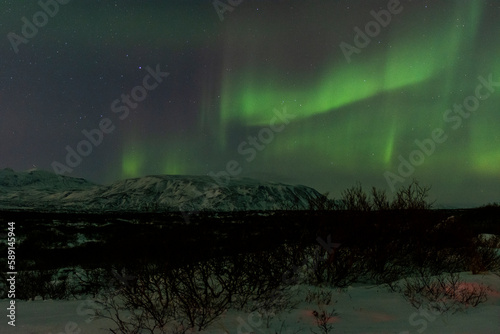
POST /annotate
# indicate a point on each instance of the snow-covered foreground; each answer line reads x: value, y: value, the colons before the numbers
x: 359, y: 309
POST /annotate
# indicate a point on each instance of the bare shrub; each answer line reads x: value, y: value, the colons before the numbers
x: 412, y: 197
x: 88, y: 281
x: 202, y: 292
x: 355, y: 199
x: 321, y: 297
x: 443, y: 293
x: 484, y: 255
x: 380, y: 200
x: 340, y: 268
x: 323, y: 319
x: 169, y: 300
x: 266, y: 281
x: 277, y: 302
x: 322, y: 203
x: 393, y: 271
x: 46, y: 283
x: 265, y: 273
x: 322, y: 315
x: 197, y: 294
x: 144, y: 305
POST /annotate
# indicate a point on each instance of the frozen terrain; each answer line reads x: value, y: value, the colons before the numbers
x: 39, y: 190
x: 359, y: 309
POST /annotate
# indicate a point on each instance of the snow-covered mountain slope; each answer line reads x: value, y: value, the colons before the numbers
x: 39, y: 179
x: 39, y: 190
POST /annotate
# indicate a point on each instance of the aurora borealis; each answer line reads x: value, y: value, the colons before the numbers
x: 352, y: 120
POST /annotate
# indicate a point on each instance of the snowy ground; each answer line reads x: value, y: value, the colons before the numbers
x: 360, y: 309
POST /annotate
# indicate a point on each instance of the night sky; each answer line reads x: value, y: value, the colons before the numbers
x: 318, y: 93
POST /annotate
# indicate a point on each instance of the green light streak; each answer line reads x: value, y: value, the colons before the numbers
x: 389, y: 149
x: 174, y: 164
x: 132, y: 163
x: 152, y: 156
x: 483, y: 148
x: 411, y: 57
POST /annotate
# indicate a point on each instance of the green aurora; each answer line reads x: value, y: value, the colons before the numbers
x: 360, y: 117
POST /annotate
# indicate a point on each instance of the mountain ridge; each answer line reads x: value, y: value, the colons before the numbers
x: 44, y: 191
